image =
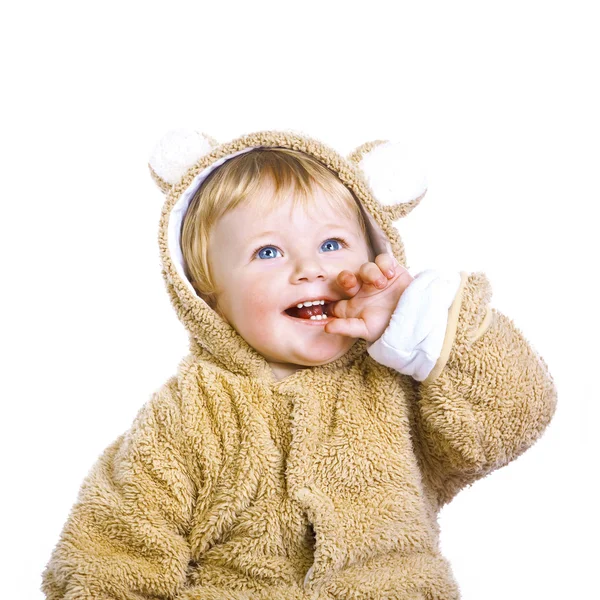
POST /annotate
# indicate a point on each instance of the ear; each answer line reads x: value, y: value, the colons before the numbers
x: 175, y: 153
x: 396, y: 179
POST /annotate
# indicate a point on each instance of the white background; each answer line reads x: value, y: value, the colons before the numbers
x: 502, y: 99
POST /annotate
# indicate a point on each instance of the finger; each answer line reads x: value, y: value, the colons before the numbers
x: 386, y: 264
x: 338, y: 309
x: 354, y: 328
x: 349, y: 281
x: 371, y: 273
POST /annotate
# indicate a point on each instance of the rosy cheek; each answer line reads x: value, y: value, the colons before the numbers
x: 260, y: 320
x: 258, y: 302
x: 262, y: 308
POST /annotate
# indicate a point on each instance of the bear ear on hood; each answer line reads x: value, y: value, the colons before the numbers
x: 175, y: 153
x: 397, y: 181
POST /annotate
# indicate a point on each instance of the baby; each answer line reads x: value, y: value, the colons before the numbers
x: 330, y: 404
x: 281, y: 247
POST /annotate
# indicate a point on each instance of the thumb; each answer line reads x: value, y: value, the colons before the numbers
x: 349, y: 327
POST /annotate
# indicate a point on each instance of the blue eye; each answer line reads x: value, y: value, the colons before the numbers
x: 341, y: 242
x: 338, y: 241
x: 266, y: 248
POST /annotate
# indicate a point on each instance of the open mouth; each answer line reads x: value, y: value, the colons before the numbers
x: 306, y: 312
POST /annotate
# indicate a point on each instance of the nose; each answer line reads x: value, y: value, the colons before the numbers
x: 309, y: 269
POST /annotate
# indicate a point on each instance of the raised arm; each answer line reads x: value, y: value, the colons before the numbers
x: 482, y: 394
x: 125, y: 537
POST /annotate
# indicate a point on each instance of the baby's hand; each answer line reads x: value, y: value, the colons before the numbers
x: 375, y: 291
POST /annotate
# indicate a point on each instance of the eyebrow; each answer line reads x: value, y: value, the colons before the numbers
x: 265, y: 233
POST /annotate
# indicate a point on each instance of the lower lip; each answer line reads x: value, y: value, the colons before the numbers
x: 315, y: 322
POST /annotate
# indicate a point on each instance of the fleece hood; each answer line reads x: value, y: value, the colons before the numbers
x: 380, y: 174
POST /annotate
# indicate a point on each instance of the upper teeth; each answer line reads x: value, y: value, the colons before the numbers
x: 310, y: 303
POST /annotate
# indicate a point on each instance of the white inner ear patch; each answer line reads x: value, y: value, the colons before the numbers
x: 394, y: 174
x: 176, y: 152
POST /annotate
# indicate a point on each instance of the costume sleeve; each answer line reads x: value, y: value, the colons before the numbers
x: 125, y: 537
x: 483, y: 395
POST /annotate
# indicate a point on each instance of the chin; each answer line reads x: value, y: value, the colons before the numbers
x: 325, y: 356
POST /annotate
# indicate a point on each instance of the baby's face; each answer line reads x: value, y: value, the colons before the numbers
x: 259, y: 275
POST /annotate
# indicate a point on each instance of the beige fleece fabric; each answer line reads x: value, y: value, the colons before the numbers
x: 323, y: 485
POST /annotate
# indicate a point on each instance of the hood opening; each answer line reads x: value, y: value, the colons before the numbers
x: 378, y: 239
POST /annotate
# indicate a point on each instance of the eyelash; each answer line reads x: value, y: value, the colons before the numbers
x: 338, y: 239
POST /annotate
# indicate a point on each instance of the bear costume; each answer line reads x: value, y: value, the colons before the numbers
x: 232, y: 485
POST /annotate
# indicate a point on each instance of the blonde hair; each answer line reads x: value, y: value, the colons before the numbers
x: 292, y: 172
